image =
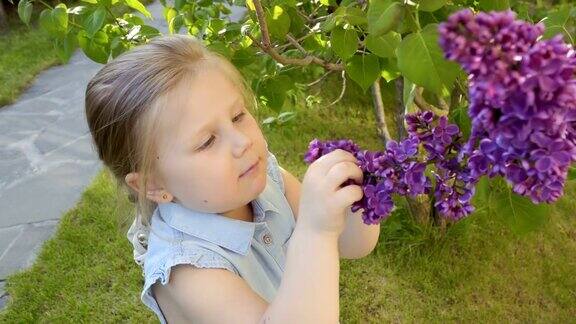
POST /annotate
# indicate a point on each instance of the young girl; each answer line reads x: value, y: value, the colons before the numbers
x: 172, y: 121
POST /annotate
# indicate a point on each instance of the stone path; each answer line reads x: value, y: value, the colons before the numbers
x: 46, y: 156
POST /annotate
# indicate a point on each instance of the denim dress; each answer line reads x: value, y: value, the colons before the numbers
x: 255, y: 251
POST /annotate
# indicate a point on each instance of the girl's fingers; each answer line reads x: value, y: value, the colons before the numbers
x: 343, y: 171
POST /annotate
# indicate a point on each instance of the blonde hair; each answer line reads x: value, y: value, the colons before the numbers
x: 125, y: 98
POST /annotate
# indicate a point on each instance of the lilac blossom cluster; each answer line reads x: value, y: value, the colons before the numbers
x: 401, y: 169
x: 522, y: 94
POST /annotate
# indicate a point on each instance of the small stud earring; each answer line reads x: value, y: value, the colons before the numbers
x: 164, y: 196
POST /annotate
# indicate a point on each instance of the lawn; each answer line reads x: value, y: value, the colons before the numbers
x: 480, y: 271
x: 25, y: 52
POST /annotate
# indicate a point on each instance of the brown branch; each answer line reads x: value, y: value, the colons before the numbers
x: 423, y: 105
x: 383, y: 132
x: 443, y: 104
x: 296, y: 44
x: 281, y: 47
x: 266, y: 46
x: 400, y: 111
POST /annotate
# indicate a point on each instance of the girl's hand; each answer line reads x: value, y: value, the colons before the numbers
x: 323, y: 202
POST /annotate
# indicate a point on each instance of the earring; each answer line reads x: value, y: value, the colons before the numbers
x: 164, y: 196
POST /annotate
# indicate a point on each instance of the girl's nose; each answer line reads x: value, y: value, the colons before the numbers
x: 240, y: 143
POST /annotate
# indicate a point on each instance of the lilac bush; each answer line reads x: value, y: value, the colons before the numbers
x: 522, y: 95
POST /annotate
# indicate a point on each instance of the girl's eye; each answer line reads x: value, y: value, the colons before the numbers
x: 207, y: 144
x: 239, y: 116
x: 211, y: 140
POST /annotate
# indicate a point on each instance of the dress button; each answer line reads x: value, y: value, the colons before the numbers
x: 142, y: 239
x: 267, y: 238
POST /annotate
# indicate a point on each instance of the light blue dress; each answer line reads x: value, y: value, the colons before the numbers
x: 256, y: 251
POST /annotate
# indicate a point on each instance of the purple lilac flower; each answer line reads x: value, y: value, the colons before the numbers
x: 522, y: 100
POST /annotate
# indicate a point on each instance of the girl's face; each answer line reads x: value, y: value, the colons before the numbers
x: 208, y: 140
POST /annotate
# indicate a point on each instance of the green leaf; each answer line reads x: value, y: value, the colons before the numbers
x: 383, y: 19
x: 459, y: 116
x: 60, y: 16
x: 355, y: 16
x: 557, y: 23
x: 389, y: 69
x: 431, y: 5
x: 94, y: 47
x: 244, y: 57
x: 221, y: 48
x: 65, y: 46
x: 363, y: 69
x: 274, y: 89
x: 518, y: 212
x: 178, y: 4
x: 95, y: 21
x: 149, y: 31
x: 175, y: 24
x: 421, y: 60
x: 278, y: 22
x: 330, y: 22
x: 139, y: 6
x: 383, y: 45
x: 344, y: 42
x: 117, y: 46
x: 169, y: 13
x: 47, y: 23
x: 25, y: 11
x: 296, y: 22
x: 497, y: 5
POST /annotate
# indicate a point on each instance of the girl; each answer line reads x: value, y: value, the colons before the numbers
x: 172, y: 121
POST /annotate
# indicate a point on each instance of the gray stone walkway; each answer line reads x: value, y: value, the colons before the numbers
x: 46, y: 156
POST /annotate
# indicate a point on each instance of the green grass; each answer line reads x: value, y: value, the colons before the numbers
x: 25, y: 52
x: 479, y: 271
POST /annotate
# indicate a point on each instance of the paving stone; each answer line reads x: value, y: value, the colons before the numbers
x: 12, y: 170
x: 23, y: 252
x: 4, y: 301
x: 39, y: 198
x: 7, y: 237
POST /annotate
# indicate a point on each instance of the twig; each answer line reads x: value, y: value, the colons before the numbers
x: 343, y: 90
x: 281, y: 47
x: 266, y: 46
x: 319, y: 79
x: 296, y: 44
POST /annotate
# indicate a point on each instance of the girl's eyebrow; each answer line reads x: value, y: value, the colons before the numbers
x: 206, y: 125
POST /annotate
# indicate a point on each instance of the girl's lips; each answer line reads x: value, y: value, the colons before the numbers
x: 252, y: 168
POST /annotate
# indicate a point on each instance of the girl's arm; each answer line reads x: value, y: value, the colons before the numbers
x: 356, y: 241
x: 308, y: 292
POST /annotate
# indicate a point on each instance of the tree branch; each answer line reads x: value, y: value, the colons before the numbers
x: 423, y: 105
x: 266, y: 46
x: 383, y: 132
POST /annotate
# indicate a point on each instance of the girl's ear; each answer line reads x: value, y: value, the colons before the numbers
x: 155, y: 193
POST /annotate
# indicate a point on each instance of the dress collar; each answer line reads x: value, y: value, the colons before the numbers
x: 233, y: 234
